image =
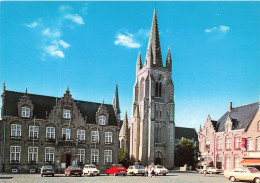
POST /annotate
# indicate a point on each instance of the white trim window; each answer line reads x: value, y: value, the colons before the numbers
x: 237, y: 143
x: 228, y: 163
x: 16, y: 130
x: 33, y: 131
x: 94, y: 155
x: 66, y: 113
x: 258, y: 143
x: 33, y: 154
x: 219, y: 143
x: 237, y: 160
x: 94, y: 136
x: 102, y: 120
x: 50, y: 133
x: 81, y: 135
x: 66, y: 133
x: 49, y: 154
x: 108, y: 156
x: 25, y: 112
x: 81, y: 155
x: 249, y: 144
x: 108, y: 137
x: 15, y: 154
x: 228, y: 143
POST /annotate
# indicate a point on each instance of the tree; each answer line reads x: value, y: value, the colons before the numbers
x: 184, y: 153
x: 124, y: 158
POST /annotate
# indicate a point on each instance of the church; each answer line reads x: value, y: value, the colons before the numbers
x: 152, y: 125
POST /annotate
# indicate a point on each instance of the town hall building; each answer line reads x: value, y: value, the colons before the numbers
x: 152, y: 126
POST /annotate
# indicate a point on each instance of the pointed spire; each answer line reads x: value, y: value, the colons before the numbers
x: 169, y: 60
x: 116, y: 102
x: 149, y: 56
x: 139, y: 64
x: 154, y: 41
x: 125, y: 122
x: 200, y: 130
x: 26, y: 90
x: 4, y: 87
x: 68, y: 90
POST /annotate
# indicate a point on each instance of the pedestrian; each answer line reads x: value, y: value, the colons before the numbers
x: 205, y: 170
x: 146, y: 171
x: 149, y: 171
x: 152, y: 172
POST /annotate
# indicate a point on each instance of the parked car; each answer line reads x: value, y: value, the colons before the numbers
x: 47, y: 170
x: 136, y: 170
x: 73, y: 170
x: 116, y: 170
x: 212, y: 170
x: 90, y: 170
x: 160, y: 170
x: 245, y: 174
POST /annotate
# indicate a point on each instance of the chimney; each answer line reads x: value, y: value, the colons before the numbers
x: 230, y: 106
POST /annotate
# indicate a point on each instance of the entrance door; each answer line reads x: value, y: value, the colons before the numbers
x: 158, y: 158
x: 158, y: 161
x: 66, y: 158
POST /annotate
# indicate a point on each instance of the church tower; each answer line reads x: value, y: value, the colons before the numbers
x: 152, y: 128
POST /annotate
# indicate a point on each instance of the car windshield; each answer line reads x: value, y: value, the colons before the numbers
x: 120, y: 167
x: 74, y: 168
x: 47, y: 167
x: 253, y: 170
x: 159, y: 167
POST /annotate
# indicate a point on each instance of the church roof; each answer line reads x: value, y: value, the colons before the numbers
x: 187, y: 133
x: 240, y: 116
x: 46, y: 103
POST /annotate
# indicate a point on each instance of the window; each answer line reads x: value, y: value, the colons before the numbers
x: 50, y: 133
x: 219, y: 143
x: 25, y: 112
x: 249, y: 144
x: 33, y: 154
x: 102, y: 120
x: 15, y: 152
x: 66, y: 113
x: 94, y: 136
x: 228, y: 159
x: 49, y: 154
x: 16, y: 131
x: 81, y: 156
x: 158, y: 89
x: 237, y: 142
x: 258, y: 143
x: 108, y: 137
x: 207, y: 144
x: 237, y: 160
x: 228, y: 143
x: 66, y: 133
x: 108, y: 156
x: 219, y: 162
x: 156, y: 134
x: 33, y: 132
x: 81, y: 135
x: 94, y: 155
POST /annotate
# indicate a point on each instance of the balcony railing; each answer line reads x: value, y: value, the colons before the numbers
x: 16, y: 137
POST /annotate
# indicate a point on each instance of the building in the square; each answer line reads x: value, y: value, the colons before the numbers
x: 124, y: 135
x: 233, y: 140
x: 152, y: 122
x: 38, y: 130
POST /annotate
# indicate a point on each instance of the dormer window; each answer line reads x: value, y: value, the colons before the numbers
x: 25, y: 112
x: 66, y: 113
x: 102, y: 120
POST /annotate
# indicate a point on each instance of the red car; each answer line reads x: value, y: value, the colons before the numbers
x: 73, y: 170
x: 116, y: 170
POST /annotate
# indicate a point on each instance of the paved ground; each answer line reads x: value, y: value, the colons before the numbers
x: 177, y: 177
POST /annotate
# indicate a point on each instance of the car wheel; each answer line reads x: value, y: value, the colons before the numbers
x: 257, y: 180
x: 164, y: 174
x: 80, y: 175
x: 52, y: 175
x: 233, y: 179
x: 107, y: 173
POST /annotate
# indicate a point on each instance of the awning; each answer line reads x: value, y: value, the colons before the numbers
x: 250, y: 162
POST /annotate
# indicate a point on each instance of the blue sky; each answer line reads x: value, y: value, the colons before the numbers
x: 91, y: 46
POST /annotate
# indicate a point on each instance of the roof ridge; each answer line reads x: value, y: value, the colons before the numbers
x: 245, y: 105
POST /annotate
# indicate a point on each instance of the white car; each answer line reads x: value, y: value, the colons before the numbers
x: 90, y: 170
x: 160, y: 170
x: 136, y: 170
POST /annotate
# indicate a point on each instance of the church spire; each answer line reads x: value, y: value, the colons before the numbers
x: 139, y: 64
x: 169, y: 60
x: 154, y: 41
x: 116, y: 103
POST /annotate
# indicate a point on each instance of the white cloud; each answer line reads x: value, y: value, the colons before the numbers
x: 32, y: 25
x: 54, y: 50
x: 221, y: 28
x: 54, y: 33
x: 75, y: 18
x: 64, y: 44
x: 126, y: 40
